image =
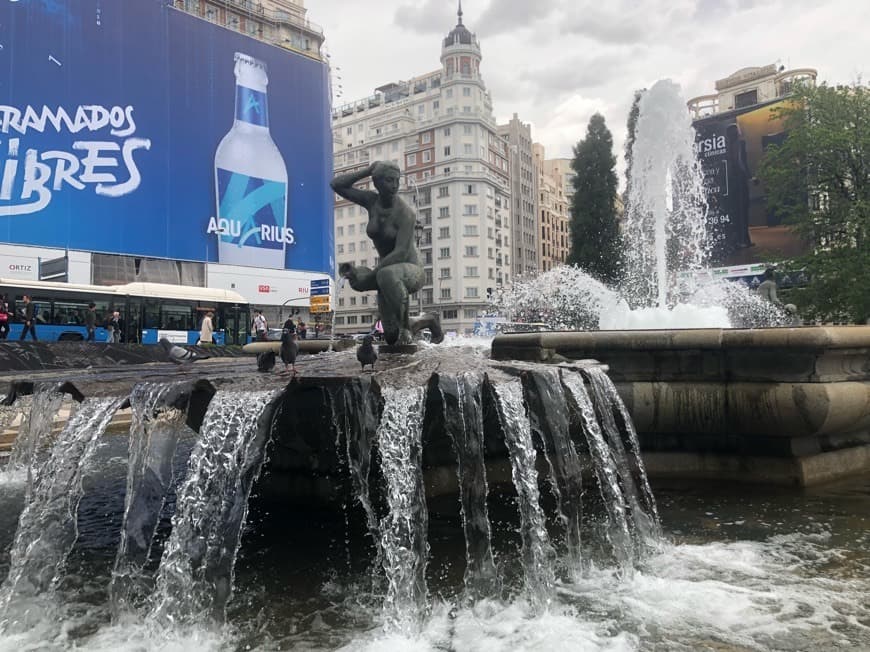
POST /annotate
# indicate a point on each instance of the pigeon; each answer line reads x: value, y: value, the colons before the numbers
x: 366, y: 353
x: 289, y: 349
x: 178, y: 354
x: 266, y: 361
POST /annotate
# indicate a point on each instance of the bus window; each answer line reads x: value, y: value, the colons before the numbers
x: 152, y: 314
x: 69, y: 312
x: 177, y: 317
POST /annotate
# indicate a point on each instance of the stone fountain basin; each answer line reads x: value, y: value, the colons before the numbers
x: 782, y: 405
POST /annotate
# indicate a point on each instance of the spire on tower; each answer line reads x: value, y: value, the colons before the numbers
x: 459, y: 13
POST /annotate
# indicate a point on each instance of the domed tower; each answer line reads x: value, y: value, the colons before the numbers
x: 460, y: 53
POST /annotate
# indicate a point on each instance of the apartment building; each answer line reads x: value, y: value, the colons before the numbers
x: 524, y: 196
x: 554, y: 241
x: 748, y: 87
x: 439, y: 129
x: 280, y: 22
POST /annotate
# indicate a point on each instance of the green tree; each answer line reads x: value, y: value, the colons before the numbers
x: 818, y: 179
x: 594, y: 229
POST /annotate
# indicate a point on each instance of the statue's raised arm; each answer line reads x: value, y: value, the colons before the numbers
x: 343, y: 185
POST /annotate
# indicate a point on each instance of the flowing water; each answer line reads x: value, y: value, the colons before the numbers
x: 495, y: 566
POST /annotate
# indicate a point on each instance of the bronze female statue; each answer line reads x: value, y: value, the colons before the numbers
x: 399, y: 272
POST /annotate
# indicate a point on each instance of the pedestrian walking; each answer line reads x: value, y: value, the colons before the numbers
x: 29, y: 319
x: 206, y: 329
x: 261, y: 326
x: 90, y: 322
x: 115, y: 327
x: 302, y: 330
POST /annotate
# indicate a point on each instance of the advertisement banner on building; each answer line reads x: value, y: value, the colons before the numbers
x: 730, y: 148
x: 136, y: 128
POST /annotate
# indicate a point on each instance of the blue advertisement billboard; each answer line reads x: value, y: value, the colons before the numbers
x: 133, y: 127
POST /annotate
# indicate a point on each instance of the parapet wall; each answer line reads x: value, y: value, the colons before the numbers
x: 759, y: 405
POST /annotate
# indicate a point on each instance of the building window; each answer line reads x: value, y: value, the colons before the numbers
x: 411, y: 159
x: 471, y: 293
x: 444, y: 252
x: 353, y: 301
x: 427, y: 257
x: 471, y: 252
x: 446, y: 131
x: 448, y: 92
x: 471, y: 272
x: 444, y: 232
x: 466, y: 91
x: 469, y: 209
x: 427, y: 156
x: 421, y: 109
x: 427, y: 277
x: 444, y: 211
x: 470, y: 189
x: 340, y: 249
x: 468, y: 149
x: 448, y: 314
x: 351, y: 248
x: 466, y: 109
x: 444, y: 272
x: 447, y: 151
x: 426, y: 137
x: 470, y: 229
x: 351, y: 229
x: 340, y: 231
x: 466, y: 129
x: 427, y: 295
x: 339, y: 321
x: 350, y: 131
x: 435, y: 105
x: 351, y: 320
x: 341, y: 302
x: 749, y: 98
x: 443, y: 191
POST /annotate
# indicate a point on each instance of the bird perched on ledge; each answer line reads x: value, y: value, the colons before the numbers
x: 289, y: 350
x: 178, y: 354
x: 366, y: 353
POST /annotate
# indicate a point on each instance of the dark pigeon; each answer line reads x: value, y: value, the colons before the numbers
x: 178, y: 354
x: 266, y: 361
x: 289, y: 349
x: 366, y: 353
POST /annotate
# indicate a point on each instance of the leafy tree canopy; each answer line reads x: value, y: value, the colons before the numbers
x: 818, y: 179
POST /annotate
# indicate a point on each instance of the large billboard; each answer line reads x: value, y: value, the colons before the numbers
x: 731, y: 147
x: 133, y: 127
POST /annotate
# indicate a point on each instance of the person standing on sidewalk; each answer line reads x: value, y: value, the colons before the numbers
x: 4, y: 318
x: 261, y: 326
x: 29, y: 319
x: 206, y: 329
x: 90, y: 321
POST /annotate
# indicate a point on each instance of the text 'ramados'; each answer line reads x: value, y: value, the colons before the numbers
x: 103, y: 156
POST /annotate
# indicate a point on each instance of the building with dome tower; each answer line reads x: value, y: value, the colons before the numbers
x: 439, y: 128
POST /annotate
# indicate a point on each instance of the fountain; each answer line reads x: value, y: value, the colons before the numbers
x: 773, y: 405
x: 452, y: 500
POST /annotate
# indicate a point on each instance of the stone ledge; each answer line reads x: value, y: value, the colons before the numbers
x: 800, y: 471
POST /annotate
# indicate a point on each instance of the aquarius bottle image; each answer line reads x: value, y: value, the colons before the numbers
x: 251, y: 178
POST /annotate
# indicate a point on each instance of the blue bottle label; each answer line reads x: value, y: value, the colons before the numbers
x: 251, y: 106
x: 253, y: 210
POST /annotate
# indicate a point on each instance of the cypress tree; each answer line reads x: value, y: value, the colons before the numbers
x: 595, y: 245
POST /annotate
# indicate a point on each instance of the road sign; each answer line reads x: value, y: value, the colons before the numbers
x: 320, y: 300
x: 321, y: 307
x: 318, y: 291
x: 320, y: 283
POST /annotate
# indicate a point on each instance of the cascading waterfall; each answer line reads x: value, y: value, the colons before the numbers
x: 463, y: 417
x: 35, y: 428
x: 626, y: 427
x: 47, y: 527
x: 604, y: 465
x: 549, y: 420
x: 154, y: 435
x: 195, y: 577
x: 630, y: 467
x: 357, y: 421
x: 404, y: 528
x: 538, y: 555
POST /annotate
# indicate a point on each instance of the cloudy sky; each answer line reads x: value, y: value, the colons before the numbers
x: 556, y: 62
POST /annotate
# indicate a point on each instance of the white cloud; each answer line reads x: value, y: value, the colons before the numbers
x: 556, y: 62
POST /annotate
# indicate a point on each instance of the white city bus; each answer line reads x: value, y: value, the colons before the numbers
x: 149, y: 311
